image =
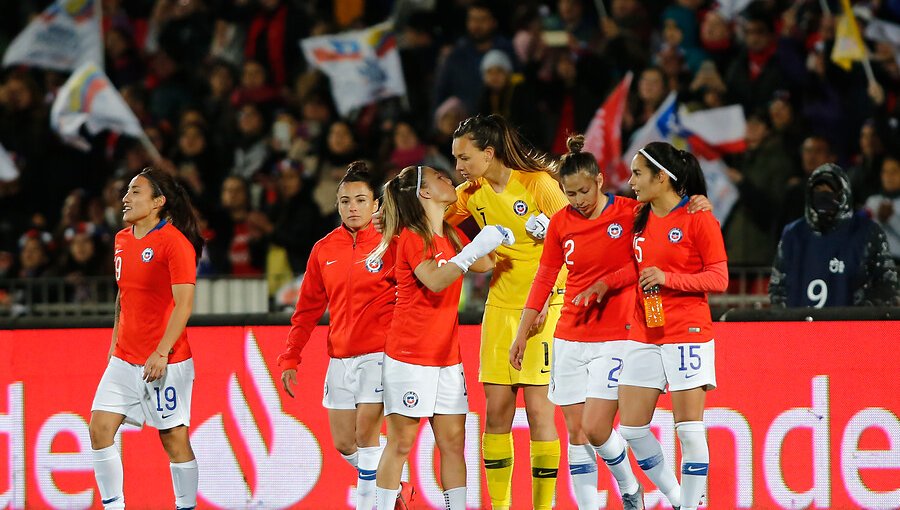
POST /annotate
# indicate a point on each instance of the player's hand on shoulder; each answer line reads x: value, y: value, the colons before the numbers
x: 288, y: 380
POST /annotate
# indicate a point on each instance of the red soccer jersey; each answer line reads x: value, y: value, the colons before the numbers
x: 146, y: 269
x: 680, y: 243
x: 424, y: 330
x: 359, y: 296
x: 591, y: 250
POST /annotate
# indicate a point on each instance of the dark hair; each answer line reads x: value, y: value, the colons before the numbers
x: 689, y: 180
x: 493, y: 131
x: 402, y: 209
x: 177, y: 209
x: 358, y: 171
x: 576, y: 161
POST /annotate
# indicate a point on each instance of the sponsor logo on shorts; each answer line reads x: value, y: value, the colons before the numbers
x: 520, y: 207
x: 614, y: 230
x: 379, y: 390
x: 675, y: 235
x: 410, y: 399
x: 688, y: 376
x: 167, y: 415
x: 545, y: 370
x: 373, y: 266
x: 147, y: 254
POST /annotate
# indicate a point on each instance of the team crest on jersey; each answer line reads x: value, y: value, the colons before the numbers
x: 147, y: 254
x: 614, y: 230
x: 373, y: 266
x: 520, y: 207
x: 410, y: 399
x: 675, y: 235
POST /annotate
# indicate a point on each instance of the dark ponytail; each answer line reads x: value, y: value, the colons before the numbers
x: 358, y: 171
x: 493, y: 131
x: 688, y: 181
x: 577, y: 161
x: 177, y: 209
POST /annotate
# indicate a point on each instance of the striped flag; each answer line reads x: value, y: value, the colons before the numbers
x: 63, y: 37
x: 89, y: 99
x: 708, y: 134
x: 603, y: 138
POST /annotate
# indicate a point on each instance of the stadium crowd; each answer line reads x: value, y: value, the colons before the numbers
x: 251, y: 130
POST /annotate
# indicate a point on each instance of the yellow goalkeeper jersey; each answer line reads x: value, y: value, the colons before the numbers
x: 526, y: 193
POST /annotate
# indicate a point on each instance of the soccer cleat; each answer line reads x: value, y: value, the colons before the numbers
x: 634, y: 501
x: 405, y: 496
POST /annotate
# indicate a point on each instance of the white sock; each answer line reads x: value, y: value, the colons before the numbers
x: 616, y: 458
x: 385, y: 499
x: 455, y: 498
x: 108, y: 472
x: 352, y: 459
x: 185, y: 478
x: 694, y: 462
x: 365, y: 485
x: 583, y: 470
x: 649, y: 455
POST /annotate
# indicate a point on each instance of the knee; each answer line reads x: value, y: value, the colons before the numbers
x: 453, y: 443
x: 102, y: 435
x: 598, y: 434
x: 499, y: 419
x: 401, y: 446
x: 177, y: 444
x: 540, y: 418
x: 344, y: 446
x: 576, y: 432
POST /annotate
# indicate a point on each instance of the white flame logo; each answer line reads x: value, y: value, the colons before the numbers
x: 280, y: 481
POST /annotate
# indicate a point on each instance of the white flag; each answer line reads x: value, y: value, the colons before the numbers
x: 89, y: 99
x: 363, y: 65
x: 8, y: 169
x: 63, y: 37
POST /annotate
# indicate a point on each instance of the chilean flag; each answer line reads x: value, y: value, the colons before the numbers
x: 603, y: 138
x: 708, y: 134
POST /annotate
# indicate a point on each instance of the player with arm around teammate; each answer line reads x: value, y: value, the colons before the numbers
x: 150, y: 374
x: 684, y: 256
x: 360, y: 297
x: 510, y: 184
x: 423, y: 373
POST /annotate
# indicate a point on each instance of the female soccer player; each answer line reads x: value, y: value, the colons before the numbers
x: 150, y: 373
x: 360, y: 297
x: 684, y: 255
x: 423, y: 374
x: 590, y: 238
x: 510, y: 184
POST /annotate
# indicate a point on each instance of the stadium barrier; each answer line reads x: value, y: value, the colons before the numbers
x: 805, y: 416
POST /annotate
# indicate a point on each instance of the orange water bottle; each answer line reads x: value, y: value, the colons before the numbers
x: 653, y: 308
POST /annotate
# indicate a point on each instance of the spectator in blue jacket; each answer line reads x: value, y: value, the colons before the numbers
x: 833, y: 256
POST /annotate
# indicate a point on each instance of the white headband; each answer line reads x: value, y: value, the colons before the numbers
x: 418, y: 179
x: 664, y: 169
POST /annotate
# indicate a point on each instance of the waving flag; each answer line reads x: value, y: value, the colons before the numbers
x: 708, y: 134
x: 603, y: 138
x: 8, y: 169
x: 89, y: 99
x: 65, y: 36
x: 848, y: 44
x: 363, y: 65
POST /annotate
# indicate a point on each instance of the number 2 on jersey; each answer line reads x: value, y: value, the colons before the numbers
x: 570, y: 247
